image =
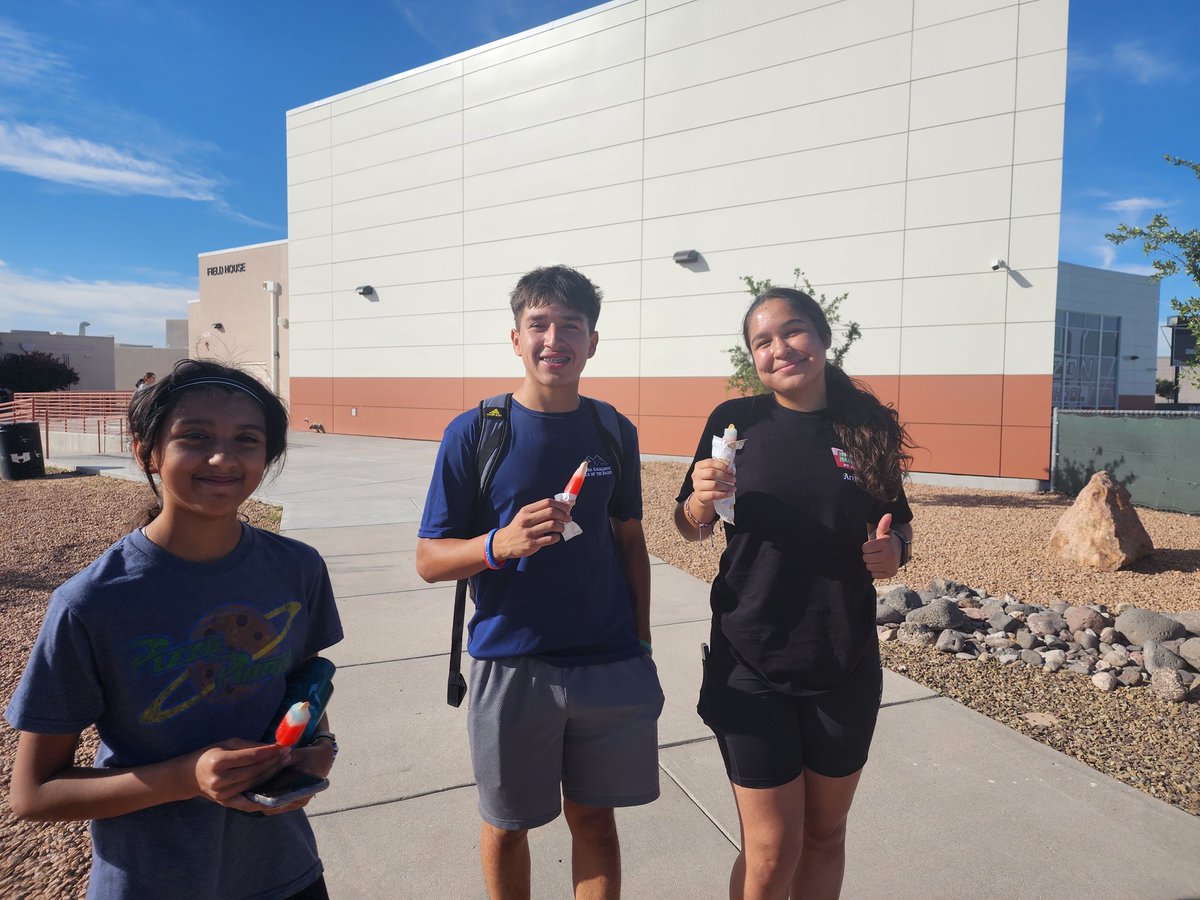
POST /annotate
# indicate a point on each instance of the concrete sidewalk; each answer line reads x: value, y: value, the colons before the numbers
x: 951, y: 805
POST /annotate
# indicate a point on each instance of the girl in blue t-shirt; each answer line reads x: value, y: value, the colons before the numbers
x: 177, y: 644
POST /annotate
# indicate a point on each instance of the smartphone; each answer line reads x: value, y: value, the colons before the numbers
x: 284, y: 787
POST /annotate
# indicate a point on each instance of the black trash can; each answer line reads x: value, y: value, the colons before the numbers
x: 21, y: 451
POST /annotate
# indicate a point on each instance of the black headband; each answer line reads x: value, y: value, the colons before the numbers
x: 222, y: 382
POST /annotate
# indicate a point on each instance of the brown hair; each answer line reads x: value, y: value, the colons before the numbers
x: 556, y: 284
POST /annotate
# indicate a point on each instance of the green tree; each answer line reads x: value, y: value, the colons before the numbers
x: 1172, y: 251
x: 36, y: 371
x: 744, y: 379
x: 1166, y: 389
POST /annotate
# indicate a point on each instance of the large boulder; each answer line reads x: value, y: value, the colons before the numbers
x: 1101, y: 530
x: 1141, y: 625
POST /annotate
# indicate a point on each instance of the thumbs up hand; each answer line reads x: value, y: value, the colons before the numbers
x: 881, y: 553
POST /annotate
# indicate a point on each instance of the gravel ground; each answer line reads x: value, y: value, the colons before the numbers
x: 996, y: 540
x: 986, y: 539
x: 66, y: 521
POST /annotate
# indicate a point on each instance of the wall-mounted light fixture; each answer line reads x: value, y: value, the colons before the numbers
x: 683, y: 257
x: 366, y: 290
x: 1130, y: 358
x: 217, y: 326
x: 998, y: 264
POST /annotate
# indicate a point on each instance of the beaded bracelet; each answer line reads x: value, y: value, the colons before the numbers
x: 646, y: 646
x: 488, y: 557
x: 699, y: 526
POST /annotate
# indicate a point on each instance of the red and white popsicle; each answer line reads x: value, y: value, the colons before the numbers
x: 568, y: 495
x: 293, y: 723
x: 575, y: 485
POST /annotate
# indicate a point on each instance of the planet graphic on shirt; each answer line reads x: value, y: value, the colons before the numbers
x: 234, y: 648
x: 244, y: 630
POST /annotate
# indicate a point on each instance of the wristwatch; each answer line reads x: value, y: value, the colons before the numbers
x: 328, y: 736
x: 905, y: 550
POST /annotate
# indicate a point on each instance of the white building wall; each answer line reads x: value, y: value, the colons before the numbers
x: 890, y: 148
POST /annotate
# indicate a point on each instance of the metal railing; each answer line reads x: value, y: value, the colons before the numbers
x: 101, y: 413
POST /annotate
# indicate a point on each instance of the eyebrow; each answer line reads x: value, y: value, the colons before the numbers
x: 571, y: 316
x: 186, y: 422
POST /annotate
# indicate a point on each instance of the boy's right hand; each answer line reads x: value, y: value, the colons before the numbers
x: 225, y: 769
x: 534, y: 526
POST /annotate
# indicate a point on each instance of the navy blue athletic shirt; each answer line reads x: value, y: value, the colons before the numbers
x: 571, y: 605
x: 793, y: 596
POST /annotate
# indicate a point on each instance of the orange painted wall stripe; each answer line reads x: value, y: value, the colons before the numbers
x: 988, y: 425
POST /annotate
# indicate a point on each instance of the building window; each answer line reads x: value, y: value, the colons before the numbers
x: 1086, y: 348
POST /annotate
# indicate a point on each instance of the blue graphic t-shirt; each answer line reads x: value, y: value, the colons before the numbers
x: 166, y: 656
x: 572, y: 604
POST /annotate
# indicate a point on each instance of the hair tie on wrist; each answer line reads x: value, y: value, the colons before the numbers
x: 488, y: 556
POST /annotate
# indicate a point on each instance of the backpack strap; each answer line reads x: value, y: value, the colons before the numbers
x: 490, y: 446
x: 609, y: 426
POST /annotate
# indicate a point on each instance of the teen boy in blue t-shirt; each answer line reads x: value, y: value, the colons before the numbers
x: 564, y: 698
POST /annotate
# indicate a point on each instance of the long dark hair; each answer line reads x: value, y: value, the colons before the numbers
x: 150, y: 410
x: 869, y: 432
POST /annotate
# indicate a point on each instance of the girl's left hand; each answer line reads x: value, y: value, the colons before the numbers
x: 315, y: 759
x: 881, y: 554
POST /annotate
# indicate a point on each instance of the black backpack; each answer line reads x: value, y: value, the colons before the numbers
x: 490, y: 448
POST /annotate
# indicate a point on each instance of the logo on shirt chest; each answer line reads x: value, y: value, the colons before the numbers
x: 842, y: 460
x: 597, y: 466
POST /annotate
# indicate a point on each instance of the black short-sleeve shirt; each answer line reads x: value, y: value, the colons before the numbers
x: 792, y: 596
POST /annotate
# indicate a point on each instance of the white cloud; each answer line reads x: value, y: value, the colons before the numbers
x: 44, y: 154
x: 1143, y: 65
x: 25, y: 60
x: 132, y: 312
x: 1135, y: 206
x: 1107, y: 254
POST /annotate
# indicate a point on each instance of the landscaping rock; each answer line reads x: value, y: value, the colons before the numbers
x: 1130, y: 676
x: 1003, y: 622
x: 902, y: 599
x: 916, y: 634
x: 1167, y: 684
x: 1190, y: 651
x: 1054, y: 660
x: 887, y: 615
x: 939, y: 615
x: 1141, y: 625
x: 1105, y: 681
x: 1101, y: 530
x: 950, y: 641
x: 1087, y: 641
x: 1157, y: 656
x: 1081, y: 618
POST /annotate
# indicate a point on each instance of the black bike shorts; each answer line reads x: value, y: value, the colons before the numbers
x: 768, y: 738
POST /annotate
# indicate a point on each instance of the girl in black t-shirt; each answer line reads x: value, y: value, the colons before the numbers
x: 792, y: 680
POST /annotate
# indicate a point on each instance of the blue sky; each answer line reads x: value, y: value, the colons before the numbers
x: 135, y: 134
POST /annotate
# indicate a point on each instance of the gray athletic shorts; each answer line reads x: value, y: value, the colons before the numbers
x: 540, y: 732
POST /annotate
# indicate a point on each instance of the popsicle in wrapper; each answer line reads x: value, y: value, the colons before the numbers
x: 724, y: 448
x: 570, y: 492
x: 293, y: 723
x: 568, y: 495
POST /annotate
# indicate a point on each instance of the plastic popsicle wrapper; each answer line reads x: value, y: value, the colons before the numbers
x: 293, y: 723
x: 724, y: 448
x: 574, y: 486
